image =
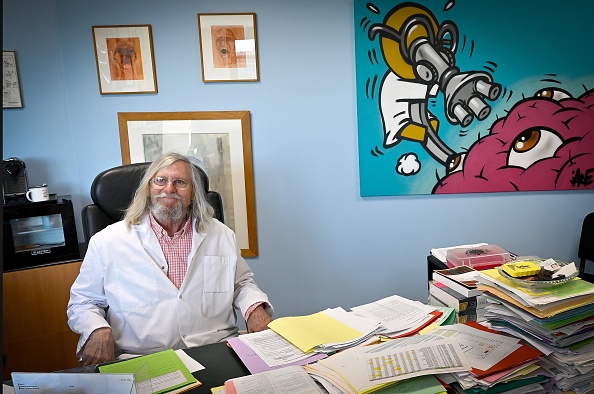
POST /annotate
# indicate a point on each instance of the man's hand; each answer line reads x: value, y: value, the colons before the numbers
x: 258, y: 320
x: 99, y: 347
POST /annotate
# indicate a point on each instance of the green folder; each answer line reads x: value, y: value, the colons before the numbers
x: 161, y: 372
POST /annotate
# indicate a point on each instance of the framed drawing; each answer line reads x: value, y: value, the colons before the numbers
x: 221, y: 140
x: 125, y: 59
x: 229, y: 47
x: 11, y: 88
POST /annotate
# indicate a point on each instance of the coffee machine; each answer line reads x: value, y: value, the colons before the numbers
x: 14, y: 180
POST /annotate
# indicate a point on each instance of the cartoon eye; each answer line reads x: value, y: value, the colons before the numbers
x: 456, y: 163
x: 553, y: 94
x: 533, y: 145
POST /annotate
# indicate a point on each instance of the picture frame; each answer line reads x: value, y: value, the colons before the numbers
x: 125, y: 59
x: 11, y: 88
x: 228, y: 47
x: 221, y: 140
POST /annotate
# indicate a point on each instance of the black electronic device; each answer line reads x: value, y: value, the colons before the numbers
x: 14, y: 179
x: 39, y: 233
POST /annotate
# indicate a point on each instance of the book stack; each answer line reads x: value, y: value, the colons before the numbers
x: 456, y: 288
x: 466, y: 308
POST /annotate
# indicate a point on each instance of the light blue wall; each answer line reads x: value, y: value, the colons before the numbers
x: 320, y: 244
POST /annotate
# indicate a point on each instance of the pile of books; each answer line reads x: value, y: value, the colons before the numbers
x: 456, y: 288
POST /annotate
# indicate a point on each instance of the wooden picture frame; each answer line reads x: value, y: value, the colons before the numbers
x: 220, y: 139
x: 228, y: 47
x: 125, y: 59
x: 11, y: 86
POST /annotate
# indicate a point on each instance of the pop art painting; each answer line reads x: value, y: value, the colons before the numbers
x: 465, y: 96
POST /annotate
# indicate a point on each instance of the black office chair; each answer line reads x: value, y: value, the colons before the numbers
x: 113, y: 190
x: 586, y: 248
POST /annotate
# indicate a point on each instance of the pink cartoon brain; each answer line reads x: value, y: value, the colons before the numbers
x: 545, y: 143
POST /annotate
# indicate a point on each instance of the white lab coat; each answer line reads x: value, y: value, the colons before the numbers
x: 124, y: 271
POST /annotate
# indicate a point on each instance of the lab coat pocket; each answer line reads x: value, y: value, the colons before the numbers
x: 218, y: 274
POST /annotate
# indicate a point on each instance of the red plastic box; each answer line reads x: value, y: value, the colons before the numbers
x: 480, y: 257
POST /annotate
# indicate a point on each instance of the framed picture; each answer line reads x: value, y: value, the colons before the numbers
x: 11, y: 88
x: 221, y: 140
x: 229, y: 47
x: 125, y: 59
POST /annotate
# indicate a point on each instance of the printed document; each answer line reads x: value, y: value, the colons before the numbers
x: 483, y: 349
x: 364, y: 368
x: 396, y: 313
x: 289, y: 380
x: 272, y: 348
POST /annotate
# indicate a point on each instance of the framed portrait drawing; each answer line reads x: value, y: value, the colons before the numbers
x: 11, y: 88
x: 220, y: 140
x: 229, y: 47
x: 125, y: 59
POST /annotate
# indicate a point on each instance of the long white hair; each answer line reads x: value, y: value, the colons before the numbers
x: 199, y: 207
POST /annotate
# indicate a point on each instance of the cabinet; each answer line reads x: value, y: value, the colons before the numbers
x: 36, y: 336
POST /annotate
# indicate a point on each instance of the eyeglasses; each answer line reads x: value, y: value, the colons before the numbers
x: 179, y: 184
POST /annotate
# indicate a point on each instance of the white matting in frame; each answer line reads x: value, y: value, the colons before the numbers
x: 125, y: 59
x: 229, y: 47
x: 222, y: 143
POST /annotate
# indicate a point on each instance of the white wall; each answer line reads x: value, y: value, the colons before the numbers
x: 320, y: 244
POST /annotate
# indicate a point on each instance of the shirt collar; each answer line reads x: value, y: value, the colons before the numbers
x: 160, y: 232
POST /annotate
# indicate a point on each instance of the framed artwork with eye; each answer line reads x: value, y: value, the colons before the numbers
x: 228, y: 47
x: 125, y: 59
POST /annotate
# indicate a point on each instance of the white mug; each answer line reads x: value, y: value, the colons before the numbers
x: 38, y: 193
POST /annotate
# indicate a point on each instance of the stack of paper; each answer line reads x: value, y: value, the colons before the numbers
x: 367, y: 369
x: 287, y: 380
x: 266, y: 350
x: 500, y: 362
x: 399, y: 316
x: 557, y: 320
x: 327, y: 331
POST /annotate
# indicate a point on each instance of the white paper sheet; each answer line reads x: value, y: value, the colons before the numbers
x: 272, y: 348
x: 288, y: 380
x: 80, y: 383
x: 396, y: 313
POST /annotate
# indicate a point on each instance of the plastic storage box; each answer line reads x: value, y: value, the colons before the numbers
x: 479, y: 258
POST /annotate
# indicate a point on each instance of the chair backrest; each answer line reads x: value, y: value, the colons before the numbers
x: 586, y: 248
x: 112, y: 192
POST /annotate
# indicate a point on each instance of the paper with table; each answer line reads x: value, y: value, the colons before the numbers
x: 368, y: 368
x: 361, y: 369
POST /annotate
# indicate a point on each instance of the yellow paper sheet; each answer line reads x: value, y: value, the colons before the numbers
x: 307, y: 332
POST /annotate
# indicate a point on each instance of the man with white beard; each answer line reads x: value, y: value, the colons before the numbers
x: 168, y: 276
